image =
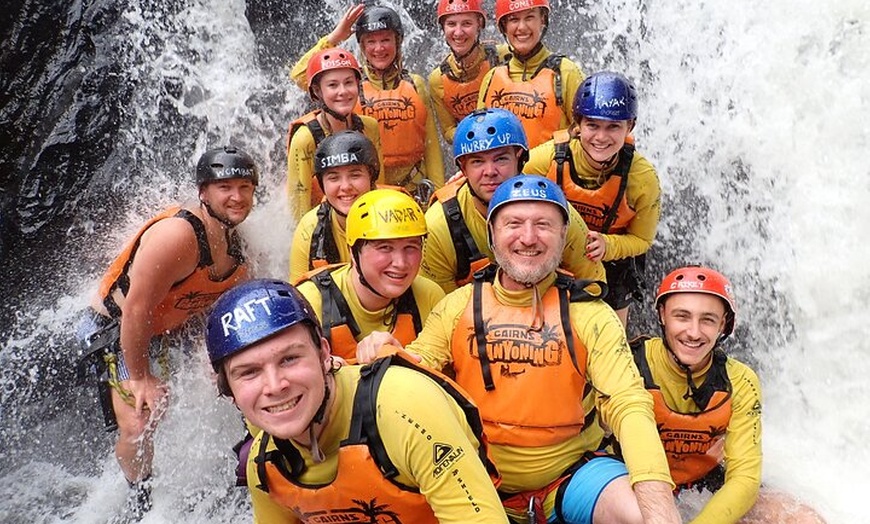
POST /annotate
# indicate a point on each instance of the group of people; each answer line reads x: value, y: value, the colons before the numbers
x: 449, y: 348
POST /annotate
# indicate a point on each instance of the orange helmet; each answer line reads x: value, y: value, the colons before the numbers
x: 506, y: 7
x: 328, y: 60
x: 697, y: 279
x: 453, y: 7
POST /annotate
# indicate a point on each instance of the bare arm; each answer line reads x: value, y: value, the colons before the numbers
x: 656, y: 502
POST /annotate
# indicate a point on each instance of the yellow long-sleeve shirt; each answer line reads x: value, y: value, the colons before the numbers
x: 439, y: 252
x: 642, y: 193
x: 426, y: 295
x: 301, y: 247
x: 521, y: 71
x: 743, y: 453
x: 436, y: 88
x: 300, y: 163
x: 432, y: 165
x: 412, y: 413
x: 623, y: 404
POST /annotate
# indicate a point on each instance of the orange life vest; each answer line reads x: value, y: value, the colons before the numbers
x: 401, y: 115
x: 534, y: 367
x: 339, y: 326
x: 687, y: 437
x: 192, y: 295
x: 460, y: 97
x: 469, y: 259
x: 364, y: 489
x: 536, y: 102
x: 310, y: 121
x: 603, y: 208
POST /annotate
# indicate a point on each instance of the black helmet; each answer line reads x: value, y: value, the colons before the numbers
x: 346, y: 148
x: 378, y: 18
x: 223, y: 163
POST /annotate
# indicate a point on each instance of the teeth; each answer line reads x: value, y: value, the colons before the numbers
x: 290, y: 404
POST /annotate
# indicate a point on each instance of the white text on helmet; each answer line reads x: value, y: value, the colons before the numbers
x: 234, y: 319
x: 609, y: 104
x: 525, y: 192
x: 398, y: 215
x: 687, y: 284
x: 235, y: 172
x: 341, y: 159
x: 519, y: 5
x: 478, y: 145
x: 377, y: 25
x: 456, y: 7
x: 337, y: 63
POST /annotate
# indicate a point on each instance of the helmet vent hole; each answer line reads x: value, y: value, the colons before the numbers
x: 679, y: 277
x: 490, y: 130
x: 470, y: 135
x: 702, y: 278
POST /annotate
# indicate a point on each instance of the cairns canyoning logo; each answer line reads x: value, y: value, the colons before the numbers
x: 365, y: 512
x: 516, y: 347
x: 463, y: 104
x: 195, y: 301
x: 528, y: 106
x: 390, y: 112
x: 679, y: 443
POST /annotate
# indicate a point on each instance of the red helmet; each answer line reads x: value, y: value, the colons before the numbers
x: 453, y: 7
x: 697, y: 279
x: 506, y: 7
x: 328, y: 60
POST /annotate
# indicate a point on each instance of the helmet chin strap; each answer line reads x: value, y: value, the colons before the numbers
x: 692, y: 391
x: 460, y: 58
x: 362, y: 278
x: 606, y: 164
x: 316, y: 453
x: 336, y: 115
x: 226, y: 223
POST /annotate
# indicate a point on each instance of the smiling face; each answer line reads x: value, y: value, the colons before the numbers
x: 602, y: 139
x: 527, y: 240
x: 379, y: 48
x: 524, y: 29
x: 692, y: 325
x: 344, y: 184
x: 278, y: 383
x: 461, y: 31
x: 390, y: 266
x: 485, y: 171
x: 230, y: 200
x: 338, y: 89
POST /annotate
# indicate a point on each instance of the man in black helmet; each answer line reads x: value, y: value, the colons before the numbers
x: 176, y: 266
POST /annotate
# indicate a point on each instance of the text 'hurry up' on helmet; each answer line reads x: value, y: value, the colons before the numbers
x: 606, y: 96
x: 251, y: 312
x: 697, y: 279
x: 379, y: 18
x: 330, y: 60
x: 455, y: 7
x: 345, y: 148
x: 384, y: 214
x: 225, y: 163
x: 487, y: 129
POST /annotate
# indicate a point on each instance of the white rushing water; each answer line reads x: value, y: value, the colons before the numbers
x: 755, y: 115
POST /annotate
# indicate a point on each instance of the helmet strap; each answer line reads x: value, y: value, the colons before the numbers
x: 228, y: 226
x: 336, y: 115
x: 530, y: 54
x: 362, y: 279
x: 692, y: 391
x: 460, y: 58
x: 316, y: 453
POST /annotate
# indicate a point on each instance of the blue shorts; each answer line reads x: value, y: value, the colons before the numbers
x: 585, y: 486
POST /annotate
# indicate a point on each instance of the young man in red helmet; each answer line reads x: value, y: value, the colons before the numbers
x: 707, y: 404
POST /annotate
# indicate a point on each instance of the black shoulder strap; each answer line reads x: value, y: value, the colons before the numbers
x: 364, y: 422
x: 623, y: 166
x: 480, y: 327
x: 716, y: 380
x: 406, y: 76
x: 407, y: 304
x: 638, y: 351
x: 553, y: 62
x: 316, y: 129
x: 205, y: 258
x: 564, y: 158
x: 490, y: 51
x: 287, y: 460
x: 336, y: 311
x: 323, y: 246
x: 357, y: 123
x: 466, y: 248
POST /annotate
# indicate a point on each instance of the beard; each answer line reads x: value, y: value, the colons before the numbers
x: 532, y: 274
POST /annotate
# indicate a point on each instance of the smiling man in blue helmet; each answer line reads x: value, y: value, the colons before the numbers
x: 549, y: 367
x: 344, y: 443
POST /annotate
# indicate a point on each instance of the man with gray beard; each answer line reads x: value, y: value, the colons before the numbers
x: 547, y: 363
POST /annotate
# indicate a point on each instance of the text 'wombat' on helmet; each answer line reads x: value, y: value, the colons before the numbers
x: 224, y: 163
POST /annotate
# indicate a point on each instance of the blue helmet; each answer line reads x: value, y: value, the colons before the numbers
x: 527, y: 188
x: 606, y: 96
x: 251, y: 312
x: 486, y: 129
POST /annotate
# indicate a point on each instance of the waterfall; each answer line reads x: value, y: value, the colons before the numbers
x: 754, y: 114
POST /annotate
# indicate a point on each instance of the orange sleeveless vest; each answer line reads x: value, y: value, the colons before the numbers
x: 363, y: 489
x: 469, y: 259
x: 192, y: 295
x: 460, y: 98
x: 516, y: 400
x: 536, y: 101
x: 687, y: 437
x: 310, y: 121
x: 339, y: 326
x: 603, y: 208
x: 401, y: 116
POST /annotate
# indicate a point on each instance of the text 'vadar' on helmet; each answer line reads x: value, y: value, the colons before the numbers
x: 225, y: 163
x: 606, y: 96
x: 487, y: 129
x: 455, y: 7
x: 697, y: 279
x: 330, y: 60
x: 384, y: 214
x: 379, y: 18
x: 345, y: 148
x: 252, y: 312
x: 508, y: 7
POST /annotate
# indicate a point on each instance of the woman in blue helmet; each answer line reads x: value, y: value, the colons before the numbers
x: 615, y: 189
x: 343, y: 443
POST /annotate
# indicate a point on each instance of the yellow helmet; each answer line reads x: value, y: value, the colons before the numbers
x: 382, y: 214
